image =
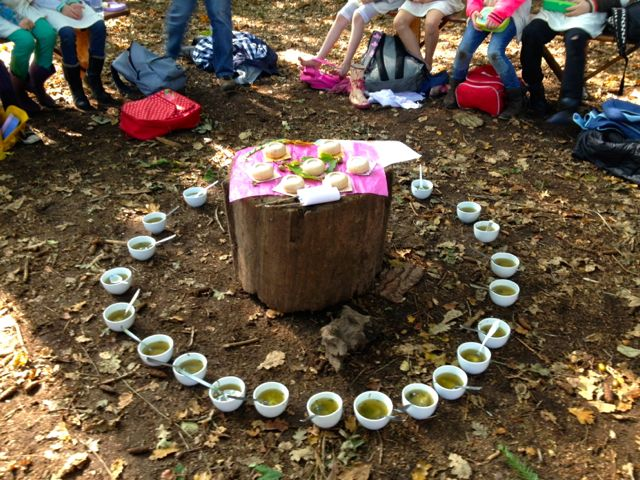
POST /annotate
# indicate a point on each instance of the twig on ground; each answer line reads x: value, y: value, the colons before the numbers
x: 168, y: 142
x: 115, y: 242
x: 25, y: 271
x: 606, y: 224
x: 95, y: 367
x: 99, y: 457
x: 192, y: 334
x: 153, y: 407
x: 241, y: 343
x: 16, y: 327
x: 537, y: 354
x: 215, y: 213
x: 115, y: 379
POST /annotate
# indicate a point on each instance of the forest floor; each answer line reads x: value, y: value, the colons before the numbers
x: 76, y: 402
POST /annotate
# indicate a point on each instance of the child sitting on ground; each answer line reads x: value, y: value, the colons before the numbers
x: 517, y: 14
x: 29, y: 31
x: 357, y: 13
x: 433, y: 12
x: 578, y: 24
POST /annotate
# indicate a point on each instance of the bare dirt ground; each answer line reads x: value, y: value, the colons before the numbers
x: 78, y: 403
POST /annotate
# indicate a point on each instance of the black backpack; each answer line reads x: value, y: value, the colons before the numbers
x: 625, y: 22
x: 388, y: 65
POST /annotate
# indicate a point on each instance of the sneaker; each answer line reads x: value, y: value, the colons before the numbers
x: 227, y: 84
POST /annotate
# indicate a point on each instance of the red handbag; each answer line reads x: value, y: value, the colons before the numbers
x: 482, y: 90
x: 159, y: 114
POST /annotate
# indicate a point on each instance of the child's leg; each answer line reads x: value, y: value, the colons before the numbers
x: 363, y: 15
x: 46, y: 38
x: 534, y: 37
x: 71, y: 68
x: 470, y: 42
x: 498, y: 57
x: 339, y: 25
x: 432, y: 21
x: 575, y: 41
x: 23, y: 46
x: 402, y: 23
x: 97, y: 40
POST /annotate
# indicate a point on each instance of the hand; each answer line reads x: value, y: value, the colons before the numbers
x: 578, y: 8
x: 26, y: 24
x: 492, y: 24
x: 474, y: 19
x: 74, y: 11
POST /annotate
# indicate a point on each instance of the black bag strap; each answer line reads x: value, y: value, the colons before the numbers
x: 123, y: 88
x: 620, y: 23
x: 379, y: 57
x: 400, y: 56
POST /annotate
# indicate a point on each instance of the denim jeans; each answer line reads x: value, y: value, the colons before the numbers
x: 97, y: 39
x: 219, y: 12
x: 534, y: 37
x: 470, y: 42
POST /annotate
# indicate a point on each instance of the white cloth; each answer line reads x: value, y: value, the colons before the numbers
x: 368, y: 11
x: 58, y: 20
x: 23, y: 9
x: 446, y: 7
x: 389, y: 98
x: 592, y: 23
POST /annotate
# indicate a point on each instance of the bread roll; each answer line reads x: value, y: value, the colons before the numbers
x: 313, y: 166
x: 275, y: 150
x: 338, y: 180
x: 262, y: 171
x: 292, y: 183
x: 358, y: 165
x: 331, y: 147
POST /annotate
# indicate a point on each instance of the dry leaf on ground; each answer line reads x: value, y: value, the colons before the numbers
x: 357, y: 472
x: 273, y: 359
x: 342, y: 335
x: 459, y: 466
x: 584, y: 415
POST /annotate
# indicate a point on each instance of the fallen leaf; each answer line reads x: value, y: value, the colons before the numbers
x: 584, y: 415
x: 160, y: 453
x: 117, y: 467
x: 273, y: 359
x: 459, y: 466
x: 73, y: 463
x: 628, y: 351
x: 357, y: 472
x: 421, y: 471
x: 299, y: 454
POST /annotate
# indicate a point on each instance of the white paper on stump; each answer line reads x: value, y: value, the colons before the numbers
x: 320, y: 194
x: 390, y: 151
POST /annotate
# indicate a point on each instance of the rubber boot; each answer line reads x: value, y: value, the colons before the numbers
x: 357, y: 97
x: 24, y: 102
x: 93, y: 80
x: 538, y: 106
x: 450, y: 100
x: 567, y: 107
x: 37, y: 77
x: 72, y: 76
x: 514, y: 104
x: 7, y: 94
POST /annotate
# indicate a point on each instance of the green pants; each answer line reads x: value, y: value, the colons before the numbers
x: 41, y: 39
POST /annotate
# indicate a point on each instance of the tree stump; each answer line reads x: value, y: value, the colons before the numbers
x: 297, y: 258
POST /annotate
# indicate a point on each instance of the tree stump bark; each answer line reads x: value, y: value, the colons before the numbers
x: 297, y: 258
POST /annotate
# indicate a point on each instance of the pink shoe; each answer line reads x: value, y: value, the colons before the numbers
x: 357, y: 96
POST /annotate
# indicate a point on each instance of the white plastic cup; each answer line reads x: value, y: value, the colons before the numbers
x: 154, y: 222
x: 501, y: 271
x: 494, y: 342
x: 181, y: 377
x: 419, y: 412
x: 486, y: 236
x: 373, y: 423
x: 421, y: 189
x: 325, y: 421
x: 141, y: 254
x: 195, y: 196
x: 468, y: 217
x: 119, y: 326
x: 503, y: 300
x: 117, y: 280
x: 450, y: 393
x: 473, y: 368
x: 270, y: 411
x: 227, y: 404
x: 163, y: 357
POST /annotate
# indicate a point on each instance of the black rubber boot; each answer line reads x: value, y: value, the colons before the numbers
x: 94, y: 82
x: 514, y: 104
x: 566, y: 108
x: 80, y: 100
x: 538, y: 105
x: 7, y: 94
x: 24, y: 102
x: 37, y: 77
x: 449, y: 100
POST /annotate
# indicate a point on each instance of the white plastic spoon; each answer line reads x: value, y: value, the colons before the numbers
x: 204, y: 190
x: 132, y: 301
x: 494, y: 328
x: 183, y: 372
x: 158, y: 242
x: 173, y: 210
x: 132, y: 335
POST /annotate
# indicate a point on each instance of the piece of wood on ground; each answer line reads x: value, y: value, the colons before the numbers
x: 396, y: 281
